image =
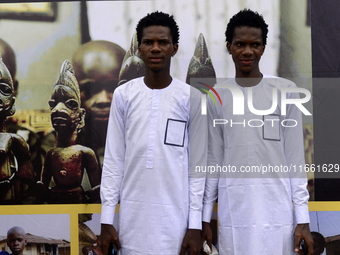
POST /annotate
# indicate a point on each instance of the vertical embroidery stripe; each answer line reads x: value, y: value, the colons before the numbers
x: 153, y: 128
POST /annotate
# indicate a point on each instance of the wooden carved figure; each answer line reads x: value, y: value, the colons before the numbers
x: 67, y: 162
x: 16, y: 173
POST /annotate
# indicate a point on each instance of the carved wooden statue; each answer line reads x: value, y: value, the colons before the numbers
x: 132, y: 66
x: 16, y: 173
x: 200, y: 65
x: 67, y: 162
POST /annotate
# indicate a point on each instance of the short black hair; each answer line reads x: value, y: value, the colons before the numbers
x: 319, y: 238
x: 246, y: 18
x: 158, y: 19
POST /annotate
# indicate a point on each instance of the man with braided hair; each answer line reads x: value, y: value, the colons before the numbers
x: 66, y: 162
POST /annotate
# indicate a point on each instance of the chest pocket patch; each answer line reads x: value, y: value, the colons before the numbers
x: 271, y: 127
x: 175, y: 132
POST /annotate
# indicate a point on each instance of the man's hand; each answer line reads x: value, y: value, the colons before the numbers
x: 192, y: 241
x: 108, y: 234
x: 207, y: 234
x: 302, y: 232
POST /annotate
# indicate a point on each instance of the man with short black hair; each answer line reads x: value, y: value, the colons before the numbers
x: 149, y: 163
x: 319, y: 243
x: 255, y: 211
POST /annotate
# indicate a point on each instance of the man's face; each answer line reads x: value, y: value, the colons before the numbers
x: 96, y: 90
x: 65, y: 108
x: 156, y: 48
x: 16, y: 242
x: 246, y: 50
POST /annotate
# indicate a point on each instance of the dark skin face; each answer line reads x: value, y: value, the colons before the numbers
x: 16, y: 241
x: 246, y: 50
x: 96, y: 95
x: 97, y: 65
x: 156, y: 50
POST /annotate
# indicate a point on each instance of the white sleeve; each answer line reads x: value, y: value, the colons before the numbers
x: 215, y: 157
x: 114, y: 158
x: 197, y: 157
x: 295, y: 156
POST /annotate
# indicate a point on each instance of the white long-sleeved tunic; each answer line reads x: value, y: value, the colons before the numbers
x: 147, y: 166
x: 255, y: 210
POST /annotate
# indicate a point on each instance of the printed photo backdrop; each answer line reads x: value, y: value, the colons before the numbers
x: 42, y: 44
x: 45, y: 233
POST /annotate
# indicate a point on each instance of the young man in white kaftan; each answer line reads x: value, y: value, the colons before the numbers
x: 148, y: 166
x: 255, y: 210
